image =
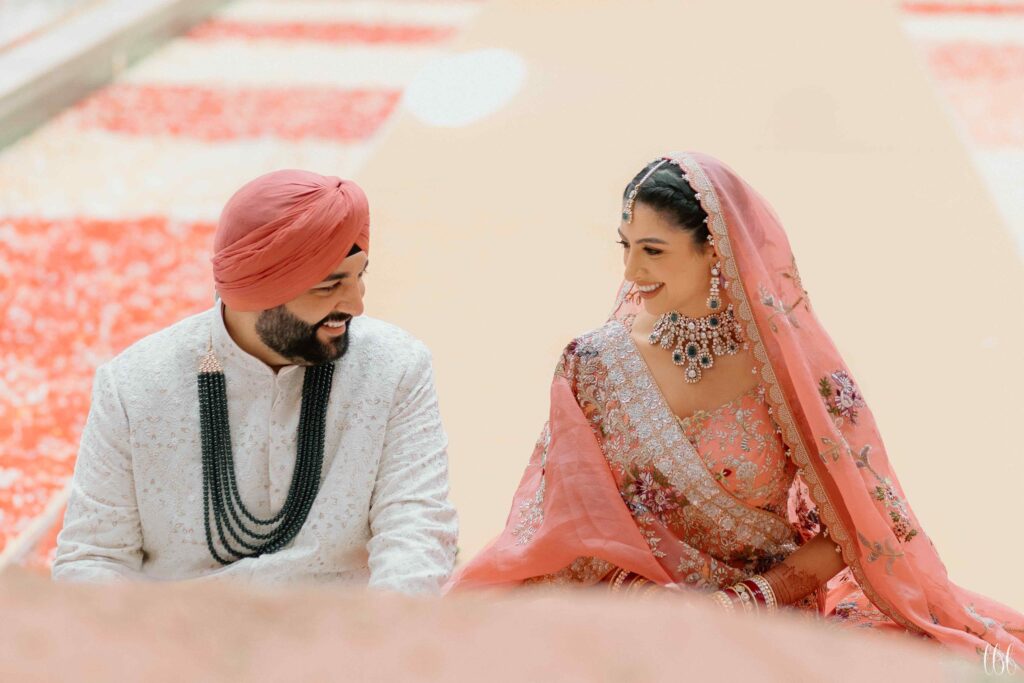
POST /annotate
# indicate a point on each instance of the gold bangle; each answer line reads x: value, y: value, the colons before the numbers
x: 723, y: 599
x: 651, y: 589
x: 635, y: 583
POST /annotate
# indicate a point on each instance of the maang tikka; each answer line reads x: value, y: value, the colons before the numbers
x: 627, y: 209
x: 696, y: 342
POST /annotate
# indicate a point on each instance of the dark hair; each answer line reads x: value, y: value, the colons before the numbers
x: 668, y: 193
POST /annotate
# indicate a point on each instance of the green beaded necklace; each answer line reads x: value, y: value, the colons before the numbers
x: 253, y: 536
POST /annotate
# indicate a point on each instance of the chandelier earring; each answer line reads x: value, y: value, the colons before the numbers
x: 715, y: 297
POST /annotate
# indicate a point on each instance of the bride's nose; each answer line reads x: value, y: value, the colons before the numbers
x: 633, y: 266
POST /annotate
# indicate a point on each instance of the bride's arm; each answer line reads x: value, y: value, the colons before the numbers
x: 806, y: 568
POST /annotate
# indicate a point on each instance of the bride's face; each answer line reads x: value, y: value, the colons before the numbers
x: 657, y: 254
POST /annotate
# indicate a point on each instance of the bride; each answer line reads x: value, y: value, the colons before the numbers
x: 709, y: 436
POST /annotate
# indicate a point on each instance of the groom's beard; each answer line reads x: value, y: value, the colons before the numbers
x: 297, y: 340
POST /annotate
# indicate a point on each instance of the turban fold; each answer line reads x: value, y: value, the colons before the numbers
x: 284, y: 232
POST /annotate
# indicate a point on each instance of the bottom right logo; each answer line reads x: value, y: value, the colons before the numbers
x: 997, y: 662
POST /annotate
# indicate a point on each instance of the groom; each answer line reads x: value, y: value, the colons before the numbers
x: 280, y: 435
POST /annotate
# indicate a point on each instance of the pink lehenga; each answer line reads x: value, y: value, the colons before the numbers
x: 618, y: 482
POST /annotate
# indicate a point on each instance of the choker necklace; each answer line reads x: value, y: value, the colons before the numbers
x: 253, y: 536
x: 696, y: 342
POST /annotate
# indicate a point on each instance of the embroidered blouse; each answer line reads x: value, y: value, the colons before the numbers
x: 740, y: 444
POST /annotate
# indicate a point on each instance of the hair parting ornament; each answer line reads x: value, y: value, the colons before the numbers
x: 627, y: 211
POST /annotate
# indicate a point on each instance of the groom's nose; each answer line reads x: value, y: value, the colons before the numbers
x: 350, y: 299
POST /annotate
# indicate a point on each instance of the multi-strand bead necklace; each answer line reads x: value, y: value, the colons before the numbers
x: 241, y: 533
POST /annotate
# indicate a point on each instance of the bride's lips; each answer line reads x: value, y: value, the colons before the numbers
x: 651, y: 294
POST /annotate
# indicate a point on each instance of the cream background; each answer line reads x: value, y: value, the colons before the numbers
x: 494, y: 242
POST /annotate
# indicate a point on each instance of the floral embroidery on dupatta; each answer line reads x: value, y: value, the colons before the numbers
x: 896, y: 505
x: 987, y: 622
x: 779, y: 307
x: 884, y: 492
x: 841, y: 395
x: 878, y: 550
x: 651, y: 499
x: 531, y: 511
x: 833, y: 449
x: 842, y: 399
x: 648, y: 492
x: 865, y: 616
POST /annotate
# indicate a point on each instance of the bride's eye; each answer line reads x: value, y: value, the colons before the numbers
x: 652, y: 251
x: 625, y: 245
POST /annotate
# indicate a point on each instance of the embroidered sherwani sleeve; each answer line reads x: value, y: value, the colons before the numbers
x: 414, y: 527
x: 102, y: 536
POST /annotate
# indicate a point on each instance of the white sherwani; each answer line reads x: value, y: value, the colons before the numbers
x: 381, y: 515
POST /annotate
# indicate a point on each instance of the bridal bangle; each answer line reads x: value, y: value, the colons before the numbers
x: 724, y: 600
x: 765, y: 590
x: 752, y: 595
x: 626, y: 582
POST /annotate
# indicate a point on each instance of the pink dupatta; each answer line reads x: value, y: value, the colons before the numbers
x: 568, y: 506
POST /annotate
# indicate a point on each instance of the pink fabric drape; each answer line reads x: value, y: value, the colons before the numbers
x: 583, y: 514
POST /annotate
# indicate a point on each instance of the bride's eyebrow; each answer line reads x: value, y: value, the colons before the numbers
x: 645, y: 240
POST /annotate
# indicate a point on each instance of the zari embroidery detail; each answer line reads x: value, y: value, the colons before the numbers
x: 531, y: 511
x: 739, y: 443
x: 644, y: 443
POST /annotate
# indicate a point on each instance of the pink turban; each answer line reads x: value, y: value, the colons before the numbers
x: 284, y: 232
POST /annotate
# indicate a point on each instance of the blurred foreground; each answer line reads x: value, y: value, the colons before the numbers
x: 219, y: 632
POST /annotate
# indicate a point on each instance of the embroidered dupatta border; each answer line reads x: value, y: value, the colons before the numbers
x: 695, y: 175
